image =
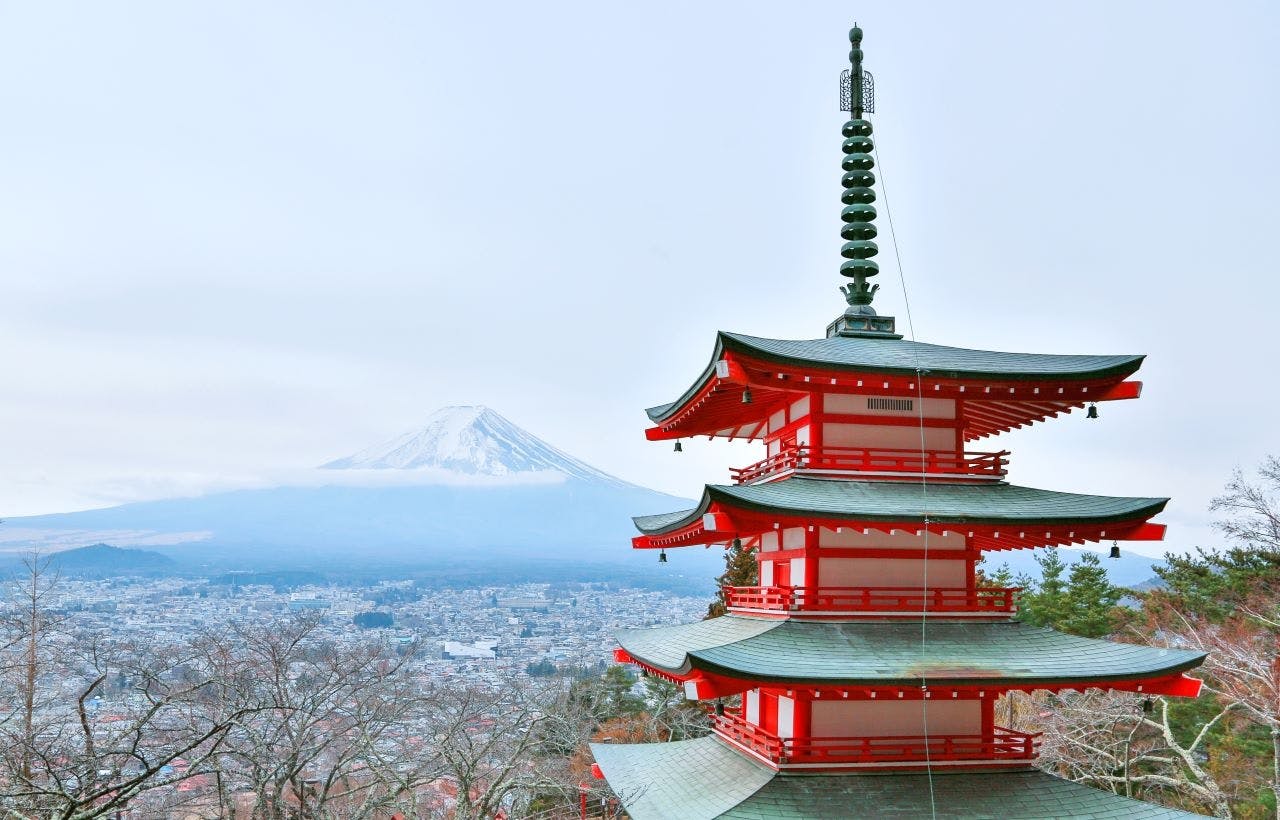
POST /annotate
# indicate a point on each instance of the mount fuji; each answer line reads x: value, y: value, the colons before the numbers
x: 472, y: 441
x: 468, y: 490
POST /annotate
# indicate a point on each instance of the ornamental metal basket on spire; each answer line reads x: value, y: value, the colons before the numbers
x: 859, y: 214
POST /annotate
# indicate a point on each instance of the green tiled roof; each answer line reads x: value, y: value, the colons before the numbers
x: 952, y: 652
x: 911, y: 501
x: 704, y: 779
x: 903, y: 357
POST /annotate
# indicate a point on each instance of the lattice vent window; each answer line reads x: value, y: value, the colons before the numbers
x: 874, y: 403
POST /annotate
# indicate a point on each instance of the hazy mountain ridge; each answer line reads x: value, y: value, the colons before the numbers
x: 582, y: 516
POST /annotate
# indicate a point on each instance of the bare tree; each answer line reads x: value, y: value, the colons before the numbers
x: 1124, y: 743
x: 328, y: 730
x: 28, y: 621
x: 63, y: 757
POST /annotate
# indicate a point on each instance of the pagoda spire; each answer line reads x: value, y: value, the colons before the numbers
x: 859, y: 214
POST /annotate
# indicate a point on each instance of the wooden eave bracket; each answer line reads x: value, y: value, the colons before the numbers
x: 1121, y: 391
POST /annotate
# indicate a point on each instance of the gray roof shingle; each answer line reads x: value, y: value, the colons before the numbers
x: 912, y: 501
x: 945, y: 652
x: 904, y: 357
x: 704, y: 779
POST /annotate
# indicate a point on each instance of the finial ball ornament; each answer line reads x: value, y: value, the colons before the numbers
x: 855, y: 55
x: 855, y: 35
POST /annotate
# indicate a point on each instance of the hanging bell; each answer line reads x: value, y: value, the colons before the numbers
x: 737, y: 543
x: 746, y: 395
x: 1092, y: 412
x: 1148, y: 706
x: 679, y: 446
x: 662, y: 556
x: 719, y: 707
x: 1115, y: 550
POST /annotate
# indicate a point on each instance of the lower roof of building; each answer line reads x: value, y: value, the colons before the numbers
x: 910, y: 501
x: 704, y: 779
x: 878, y: 653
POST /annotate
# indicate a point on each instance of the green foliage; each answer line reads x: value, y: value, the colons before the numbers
x: 540, y: 669
x: 740, y: 570
x: 1000, y: 578
x: 1077, y: 599
x: 1213, y: 584
x: 373, y: 620
x: 609, y: 695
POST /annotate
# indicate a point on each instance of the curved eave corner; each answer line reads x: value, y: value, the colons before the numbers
x: 996, y: 516
x: 723, y: 656
x: 822, y: 359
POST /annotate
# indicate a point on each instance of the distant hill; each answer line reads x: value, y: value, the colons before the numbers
x: 105, y: 559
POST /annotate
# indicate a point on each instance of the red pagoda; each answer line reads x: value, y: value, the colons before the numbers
x: 868, y: 661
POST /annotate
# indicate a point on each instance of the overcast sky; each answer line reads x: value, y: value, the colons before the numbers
x: 241, y: 237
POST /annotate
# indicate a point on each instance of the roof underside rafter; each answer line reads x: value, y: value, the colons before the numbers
x: 989, y: 402
x: 991, y: 517
x: 728, y: 655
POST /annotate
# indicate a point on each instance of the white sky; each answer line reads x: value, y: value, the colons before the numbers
x: 239, y: 238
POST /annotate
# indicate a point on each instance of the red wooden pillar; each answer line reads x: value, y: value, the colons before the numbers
x: 811, y: 576
x: 802, y: 716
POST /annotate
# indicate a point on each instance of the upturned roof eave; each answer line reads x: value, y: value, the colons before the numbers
x: 860, y: 653
x: 695, y: 663
x: 714, y: 493
x: 1126, y: 365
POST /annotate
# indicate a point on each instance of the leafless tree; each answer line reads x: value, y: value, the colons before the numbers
x: 1125, y: 743
x: 61, y: 756
x: 328, y: 730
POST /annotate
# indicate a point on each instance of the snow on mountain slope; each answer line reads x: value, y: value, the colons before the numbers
x: 470, y: 441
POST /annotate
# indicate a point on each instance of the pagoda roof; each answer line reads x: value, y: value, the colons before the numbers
x: 939, y: 652
x: 705, y: 778
x: 902, y: 357
x: 990, y: 503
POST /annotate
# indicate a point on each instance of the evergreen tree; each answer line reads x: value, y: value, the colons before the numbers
x: 1043, y: 602
x: 1091, y: 599
x: 740, y: 570
x: 1077, y: 599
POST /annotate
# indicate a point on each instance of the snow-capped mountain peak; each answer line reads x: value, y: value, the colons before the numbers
x: 472, y: 440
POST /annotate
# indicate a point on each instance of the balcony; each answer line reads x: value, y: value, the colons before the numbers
x: 1001, y: 746
x: 904, y: 600
x: 865, y: 462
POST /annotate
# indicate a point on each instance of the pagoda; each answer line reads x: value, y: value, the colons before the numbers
x: 860, y: 678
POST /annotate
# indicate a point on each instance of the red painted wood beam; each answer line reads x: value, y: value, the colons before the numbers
x: 701, y: 685
x: 1121, y: 391
x: 872, y: 552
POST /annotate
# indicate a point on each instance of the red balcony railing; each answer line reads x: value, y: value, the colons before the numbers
x: 1000, y: 746
x: 873, y: 599
x: 862, y: 460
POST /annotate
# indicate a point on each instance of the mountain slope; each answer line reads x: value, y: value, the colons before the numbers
x: 471, y: 441
x: 104, y: 559
x: 582, y: 515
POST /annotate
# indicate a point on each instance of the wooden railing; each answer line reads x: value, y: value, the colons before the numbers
x: 863, y: 460
x: 1002, y: 745
x: 873, y: 599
